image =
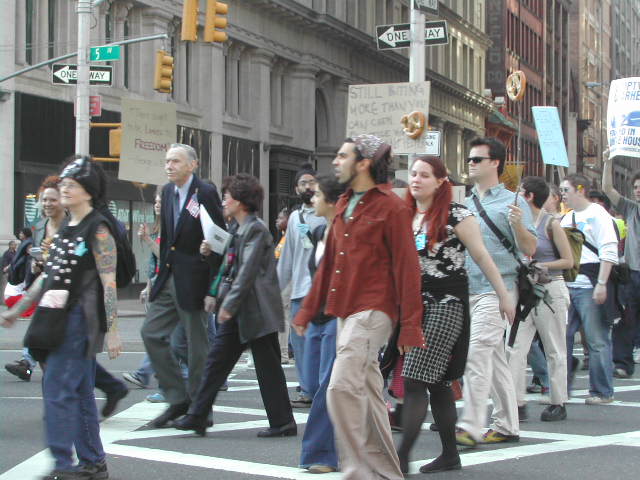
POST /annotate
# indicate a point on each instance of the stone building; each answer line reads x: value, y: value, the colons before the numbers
x: 271, y: 98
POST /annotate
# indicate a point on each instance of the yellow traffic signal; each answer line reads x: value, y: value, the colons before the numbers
x: 215, y: 22
x: 115, y: 141
x: 163, y: 78
x: 190, y: 20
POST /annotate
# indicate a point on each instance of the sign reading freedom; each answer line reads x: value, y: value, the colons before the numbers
x: 148, y: 129
x: 376, y: 109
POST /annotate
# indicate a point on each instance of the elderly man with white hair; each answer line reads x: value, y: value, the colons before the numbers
x: 184, y: 276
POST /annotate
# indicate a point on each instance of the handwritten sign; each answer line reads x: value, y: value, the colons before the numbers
x: 148, y: 129
x: 623, y: 117
x: 377, y: 109
x: 550, y: 138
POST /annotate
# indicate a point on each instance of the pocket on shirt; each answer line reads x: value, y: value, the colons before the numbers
x: 368, y: 230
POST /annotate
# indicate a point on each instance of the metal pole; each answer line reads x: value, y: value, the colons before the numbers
x: 73, y: 54
x: 416, y: 50
x: 82, y: 88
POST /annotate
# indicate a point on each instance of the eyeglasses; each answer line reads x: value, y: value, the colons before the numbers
x: 564, y: 189
x: 307, y: 183
x: 477, y: 159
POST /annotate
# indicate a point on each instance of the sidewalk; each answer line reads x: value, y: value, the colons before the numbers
x: 130, y: 318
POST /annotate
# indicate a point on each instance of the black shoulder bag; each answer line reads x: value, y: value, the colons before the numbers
x: 530, y: 282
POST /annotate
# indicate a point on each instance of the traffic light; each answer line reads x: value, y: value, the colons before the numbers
x: 215, y: 22
x: 163, y: 78
x: 115, y: 141
x: 190, y: 20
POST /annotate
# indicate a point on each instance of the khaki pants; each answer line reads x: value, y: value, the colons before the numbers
x: 355, y: 400
x: 283, y: 337
x: 551, y: 327
x: 487, y: 372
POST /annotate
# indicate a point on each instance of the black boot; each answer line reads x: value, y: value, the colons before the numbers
x: 196, y: 423
x: 171, y: 413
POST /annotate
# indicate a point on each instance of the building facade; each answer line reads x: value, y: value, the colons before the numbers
x: 270, y: 99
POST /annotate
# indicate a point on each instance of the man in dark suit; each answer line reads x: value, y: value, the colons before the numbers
x: 179, y: 290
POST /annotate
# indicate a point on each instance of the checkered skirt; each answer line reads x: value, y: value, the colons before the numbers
x: 442, y: 324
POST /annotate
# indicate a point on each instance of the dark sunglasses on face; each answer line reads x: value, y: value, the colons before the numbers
x: 477, y: 159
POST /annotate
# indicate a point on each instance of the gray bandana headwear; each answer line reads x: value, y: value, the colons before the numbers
x: 370, y: 145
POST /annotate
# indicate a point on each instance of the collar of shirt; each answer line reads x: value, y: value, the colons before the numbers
x: 384, y: 188
x: 183, y: 191
x: 491, y: 191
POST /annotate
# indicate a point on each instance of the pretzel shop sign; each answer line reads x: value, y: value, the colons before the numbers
x: 377, y: 109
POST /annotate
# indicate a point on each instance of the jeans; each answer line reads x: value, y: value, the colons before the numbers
x: 145, y: 370
x: 584, y: 311
x: 318, y: 443
x: 297, y: 344
x: 625, y: 332
x: 70, y: 413
x: 26, y: 356
x: 538, y: 363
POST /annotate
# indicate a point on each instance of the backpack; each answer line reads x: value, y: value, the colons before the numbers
x: 576, y: 240
x: 126, y: 259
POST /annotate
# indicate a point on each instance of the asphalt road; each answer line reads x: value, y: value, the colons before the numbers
x: 595, y: 442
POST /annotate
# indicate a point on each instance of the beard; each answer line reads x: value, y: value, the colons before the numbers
x: 306, y: 196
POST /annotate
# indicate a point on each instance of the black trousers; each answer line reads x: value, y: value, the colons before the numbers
x: 107, y: 382
x: 223, y: 356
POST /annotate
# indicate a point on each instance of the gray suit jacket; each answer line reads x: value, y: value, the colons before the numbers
x: 254, y: 299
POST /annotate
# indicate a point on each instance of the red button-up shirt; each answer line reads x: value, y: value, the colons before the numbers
x: 370, y: 263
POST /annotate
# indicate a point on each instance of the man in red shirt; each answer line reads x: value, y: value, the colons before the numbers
x: 370, y: 279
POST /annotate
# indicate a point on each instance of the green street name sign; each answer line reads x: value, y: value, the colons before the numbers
x: 105, y: 54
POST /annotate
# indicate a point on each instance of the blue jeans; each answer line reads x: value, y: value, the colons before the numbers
x: 584, y: 311
x: 318, y: 443
x: 145, y: 370
x: 538, y: 363
x: 70, y: 413
x: 297, y: 345
x: 27, y: 356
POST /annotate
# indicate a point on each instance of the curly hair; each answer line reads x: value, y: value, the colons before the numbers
x: 247, y: 190
x: 51, y: 181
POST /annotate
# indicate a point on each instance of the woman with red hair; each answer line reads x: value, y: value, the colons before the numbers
x: 443, y: 230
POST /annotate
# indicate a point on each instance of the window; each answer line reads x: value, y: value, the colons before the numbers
x: 51, y: 24
x: 28, y: 43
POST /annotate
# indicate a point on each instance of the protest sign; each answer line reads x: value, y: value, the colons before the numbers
x: 623, y: 117
x: 550, y: 137
x: 377, y: 109
x: 148, y: 129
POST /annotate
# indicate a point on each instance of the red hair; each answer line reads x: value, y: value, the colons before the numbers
x: 51, y: 181
x: 438, y: 214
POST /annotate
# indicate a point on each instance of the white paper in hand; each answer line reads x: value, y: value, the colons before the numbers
x: 215, y: 236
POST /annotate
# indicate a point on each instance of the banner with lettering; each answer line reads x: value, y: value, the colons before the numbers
x: 623, y: 117
x: 148, y: 129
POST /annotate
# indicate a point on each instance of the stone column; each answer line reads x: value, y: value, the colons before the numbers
x: 302, y: 102
x: 260, y: 91
x: 453, y: 158
x: 10, y: 60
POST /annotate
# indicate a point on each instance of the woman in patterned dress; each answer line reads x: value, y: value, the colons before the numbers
x: 442, y: 231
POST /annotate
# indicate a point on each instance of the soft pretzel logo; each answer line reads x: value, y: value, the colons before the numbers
x: 516, y: 85
x: 414, y: 124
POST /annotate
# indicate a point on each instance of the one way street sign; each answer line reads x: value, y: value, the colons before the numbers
x: 399, y: 35
x: 100, y: 76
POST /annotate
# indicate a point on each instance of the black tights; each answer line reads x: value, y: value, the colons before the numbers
x: 414, y: 411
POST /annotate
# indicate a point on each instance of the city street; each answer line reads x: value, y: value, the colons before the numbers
x: 595, y: 441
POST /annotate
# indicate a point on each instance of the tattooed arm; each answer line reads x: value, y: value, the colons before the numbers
x: 105, y: 254
x: 32, y: 296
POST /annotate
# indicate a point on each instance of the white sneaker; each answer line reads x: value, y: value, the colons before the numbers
x: 598, y: 400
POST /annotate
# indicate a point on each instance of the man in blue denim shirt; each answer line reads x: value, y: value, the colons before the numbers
x: 487, y: 372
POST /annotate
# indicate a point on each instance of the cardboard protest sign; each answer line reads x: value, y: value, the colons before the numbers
x: 550, y: 137
x: 623, y: 117
x: 148, y: 129
x: 377, y: 109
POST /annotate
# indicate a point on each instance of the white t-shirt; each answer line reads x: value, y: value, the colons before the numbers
x: 597, y: 226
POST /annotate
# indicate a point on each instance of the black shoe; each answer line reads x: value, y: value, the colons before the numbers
x: 523, y: 416
x: 193, y: 422
x: 442, y: 464
x: 554, y: 413
x: 96, y: 471
x: 224, y: 387
x: 171, y: 413
x: 21, y: 369
x: 434, y: 427
x: 404, y: 463
x: 112, y: 401
x: 288, y: 430
x: 66, y: 475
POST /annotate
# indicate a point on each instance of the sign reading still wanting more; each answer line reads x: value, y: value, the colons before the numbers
x: 148, y: 129
x: 623, y: 117
x: 377, y: 109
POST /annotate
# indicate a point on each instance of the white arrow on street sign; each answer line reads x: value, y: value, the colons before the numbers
x: 64, y: 74
x: 394, y: 36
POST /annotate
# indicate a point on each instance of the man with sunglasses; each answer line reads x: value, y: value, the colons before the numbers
x: 487, y: 372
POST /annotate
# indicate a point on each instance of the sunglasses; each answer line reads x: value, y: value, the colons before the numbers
x: 477, y: 159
